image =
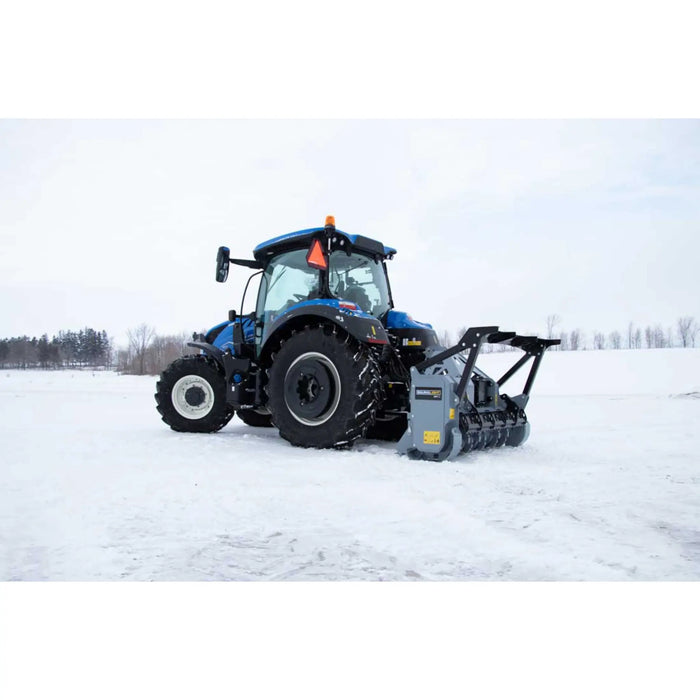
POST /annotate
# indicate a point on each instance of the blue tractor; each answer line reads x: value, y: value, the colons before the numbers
x: 327, y: 359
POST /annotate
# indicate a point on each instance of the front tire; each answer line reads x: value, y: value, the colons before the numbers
x: 324, y: 388
x: 191, y: 395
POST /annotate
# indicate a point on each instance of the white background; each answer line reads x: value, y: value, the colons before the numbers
x: 362, y: 60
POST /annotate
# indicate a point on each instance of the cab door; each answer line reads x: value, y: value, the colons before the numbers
x: 286, y: 282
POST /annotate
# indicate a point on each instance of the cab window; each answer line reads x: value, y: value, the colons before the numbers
x: 359, y: 279
x: 287, y: 280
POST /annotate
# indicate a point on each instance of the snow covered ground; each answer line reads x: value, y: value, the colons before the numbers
x: 93, y: 486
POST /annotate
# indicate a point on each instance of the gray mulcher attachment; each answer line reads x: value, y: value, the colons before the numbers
x: 455, y: 407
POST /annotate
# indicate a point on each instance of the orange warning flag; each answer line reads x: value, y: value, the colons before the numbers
x: 315, y: 257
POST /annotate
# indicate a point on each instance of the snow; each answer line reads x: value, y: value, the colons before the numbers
x: 93, y: 486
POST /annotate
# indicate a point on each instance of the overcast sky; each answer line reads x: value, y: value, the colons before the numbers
x: 113, y: 223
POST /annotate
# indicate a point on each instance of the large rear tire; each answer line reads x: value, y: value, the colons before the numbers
x: 191, y: 395
x: 324, y: 388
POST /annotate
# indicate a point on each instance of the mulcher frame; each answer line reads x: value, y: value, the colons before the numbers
x: 472, y: 341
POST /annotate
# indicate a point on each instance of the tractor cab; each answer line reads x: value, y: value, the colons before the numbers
x: 322, y: 271
x: 351, y: 280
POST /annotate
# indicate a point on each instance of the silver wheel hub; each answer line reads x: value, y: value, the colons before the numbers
x: 192, y: 397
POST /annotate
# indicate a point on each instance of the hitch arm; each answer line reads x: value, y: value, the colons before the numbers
x: 533, y: 347
x: 472, y: 340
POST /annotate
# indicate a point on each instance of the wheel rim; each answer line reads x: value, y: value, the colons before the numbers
x: 192, y: 397
x: 312, y: 388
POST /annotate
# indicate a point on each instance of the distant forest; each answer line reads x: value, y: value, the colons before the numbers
x: 83, y: 348
x: 150, y: 353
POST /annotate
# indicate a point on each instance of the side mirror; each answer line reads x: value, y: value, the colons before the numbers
x: 222, y: 261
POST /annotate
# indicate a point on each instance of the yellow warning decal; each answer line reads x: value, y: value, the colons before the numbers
x: 452, y: 414
x: 431, y: 437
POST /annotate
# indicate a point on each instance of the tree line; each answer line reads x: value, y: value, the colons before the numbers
x: 68, y: 349
x: 147, y: 352
x: 682, y: 335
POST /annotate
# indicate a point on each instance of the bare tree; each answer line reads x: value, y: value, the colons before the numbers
x: 564, y: 341
x: 638, y: 339
x: 615, y: 340
x: 649, y: 337
x: 163, y: 350
x: 687, y: 329
x: 139, y: 340
x: 599, y: 341
x: 630, y: 335
x: 553, y: 320
x: 575, y: 340
x: 445, y: 339
x: 659, y: 337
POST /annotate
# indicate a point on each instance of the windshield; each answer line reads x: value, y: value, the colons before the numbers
x: 361, y: 280
x: 287, y: 280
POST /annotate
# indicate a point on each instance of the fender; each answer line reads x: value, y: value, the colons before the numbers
x: 362, y: 326
x: 209, y: 349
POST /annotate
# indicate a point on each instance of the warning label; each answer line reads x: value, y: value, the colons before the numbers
x: 427, y: 393
x: 431, y: 437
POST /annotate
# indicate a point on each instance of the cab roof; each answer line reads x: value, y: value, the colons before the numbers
x: 298, y: 239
